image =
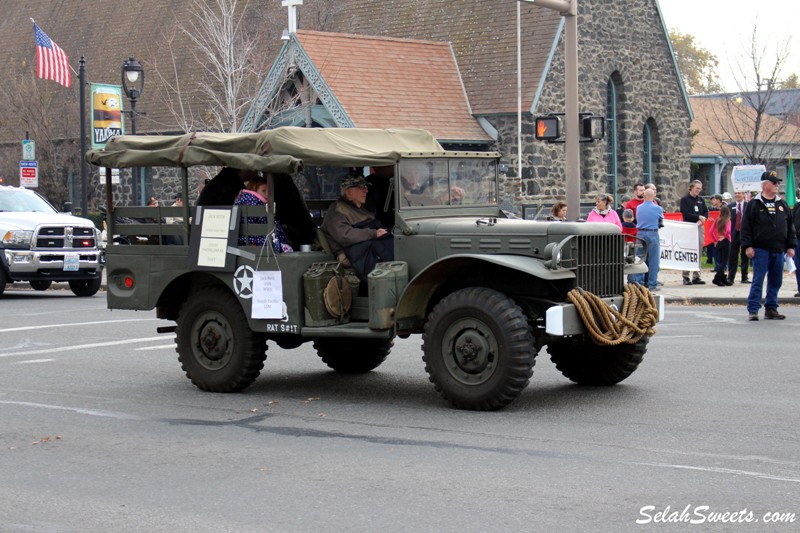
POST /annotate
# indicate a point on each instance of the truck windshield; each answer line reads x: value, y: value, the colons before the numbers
x: 22, y: 201
x: 451, y: 181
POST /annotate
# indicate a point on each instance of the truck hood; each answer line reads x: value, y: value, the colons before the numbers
x: 30, y: 221
x: 501, y: 226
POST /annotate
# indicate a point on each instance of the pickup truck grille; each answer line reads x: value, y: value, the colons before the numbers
x: 65, y: 237
x: 600, y: 262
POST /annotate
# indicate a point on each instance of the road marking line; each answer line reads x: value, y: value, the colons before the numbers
x: 161, y: 347
x: 60, y: 349
x: 28, y: 328
x: 724, y: 471
x: 79, y: 410
x: 31, y: 361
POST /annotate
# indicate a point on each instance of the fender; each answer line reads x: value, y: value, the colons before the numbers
x: 414, y: 301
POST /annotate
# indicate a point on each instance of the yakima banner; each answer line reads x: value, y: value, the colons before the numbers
x: 680, y: 246
x: 106, y: 113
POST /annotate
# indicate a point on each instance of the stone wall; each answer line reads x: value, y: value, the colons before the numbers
x: 626, y: 42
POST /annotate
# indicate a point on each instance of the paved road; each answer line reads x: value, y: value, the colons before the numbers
x: 102, y: 432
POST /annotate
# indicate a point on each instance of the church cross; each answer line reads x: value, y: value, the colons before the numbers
x: 292, y: 6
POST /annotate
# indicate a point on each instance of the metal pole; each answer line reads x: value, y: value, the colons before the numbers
x: 84, y: 170
x: 135, y: 170
x: 573, y: 162
x: 519, y: 98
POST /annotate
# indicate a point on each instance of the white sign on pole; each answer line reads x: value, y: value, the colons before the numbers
x: 28, y: 150
x: 747, y: 178
x: 29, y: 174
x: 680, y: 246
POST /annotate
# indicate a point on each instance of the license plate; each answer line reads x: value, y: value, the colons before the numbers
x: 72, y: 262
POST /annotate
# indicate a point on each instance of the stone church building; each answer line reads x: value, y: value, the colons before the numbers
x: 449, y: 66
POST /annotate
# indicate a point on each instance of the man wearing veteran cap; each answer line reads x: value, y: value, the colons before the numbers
x: 354, y: 232
x: 767, y: 234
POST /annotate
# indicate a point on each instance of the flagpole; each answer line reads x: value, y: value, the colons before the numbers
x: 84, y: 171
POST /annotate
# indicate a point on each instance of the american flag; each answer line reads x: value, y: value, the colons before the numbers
x: 51, y: 61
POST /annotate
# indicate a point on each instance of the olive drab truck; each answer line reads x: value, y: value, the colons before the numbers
x: 485, y: 290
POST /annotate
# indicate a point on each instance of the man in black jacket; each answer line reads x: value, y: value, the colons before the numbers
x: 693, y: 208
x: 767, y: 234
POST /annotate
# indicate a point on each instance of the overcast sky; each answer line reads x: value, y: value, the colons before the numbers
x: 722, y: 26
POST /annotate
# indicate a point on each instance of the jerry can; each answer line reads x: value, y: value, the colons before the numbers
x: 386, y: 283
x: 327, y: 295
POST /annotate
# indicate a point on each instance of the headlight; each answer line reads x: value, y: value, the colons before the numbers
x: 18, y: 238
x: 552, y: 255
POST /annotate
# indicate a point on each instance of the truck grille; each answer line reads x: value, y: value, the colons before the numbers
x: 600, y: 263
x: 69, y: 237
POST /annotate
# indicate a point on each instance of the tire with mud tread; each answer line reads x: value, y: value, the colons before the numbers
x: 40, y: 285
x: 3, y: 280
x: 85, y: 287
x: 216, y: 347
x: 586, y: 363
x: 478, y: 349
x: 353, y: 356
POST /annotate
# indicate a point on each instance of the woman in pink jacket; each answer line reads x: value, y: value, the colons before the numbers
x: 721, y: 235
x: 602, y: 211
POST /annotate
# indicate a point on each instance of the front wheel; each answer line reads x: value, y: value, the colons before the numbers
x: 85, y: 287
x: 586, y: 363
x: 478, y: 349
x: 216, y: 347
x: 353, y: 356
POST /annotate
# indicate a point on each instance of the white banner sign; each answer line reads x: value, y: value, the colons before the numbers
x: 680, y: 246
x: 267, y: 295
x: 746, y: 178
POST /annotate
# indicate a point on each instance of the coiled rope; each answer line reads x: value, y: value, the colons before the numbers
x: 610, y: 327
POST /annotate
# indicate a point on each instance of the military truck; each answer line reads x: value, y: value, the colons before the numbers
x: 41, y: 246
x: 485, y: 290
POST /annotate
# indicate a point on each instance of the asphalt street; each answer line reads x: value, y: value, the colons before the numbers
x: 101, y: 431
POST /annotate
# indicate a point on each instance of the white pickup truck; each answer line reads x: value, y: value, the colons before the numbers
x: 40, y: 245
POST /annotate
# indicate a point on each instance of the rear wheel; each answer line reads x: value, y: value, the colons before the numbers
x: 85, y: 287
x: 353, y: 356
x: 478, y: 349
x: 216, y: 347
x: 586, y: 363
x: 40, y: 285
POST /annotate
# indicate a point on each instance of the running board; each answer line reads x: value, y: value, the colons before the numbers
x: 358, y: 330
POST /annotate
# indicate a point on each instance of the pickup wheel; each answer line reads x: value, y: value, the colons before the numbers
x: 40, y: 285
x: 3, y: 280
x: 586, y: 363
x: 84, y: 287
x: 353, y: 356
x: 217, y: 349
x: 478, y: 349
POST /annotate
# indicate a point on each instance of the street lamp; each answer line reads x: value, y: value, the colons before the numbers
x: 569, y: 10
x: 133, y: 85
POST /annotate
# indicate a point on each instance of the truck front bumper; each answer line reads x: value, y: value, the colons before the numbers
x: 563, y: 320
x: 55, y: 265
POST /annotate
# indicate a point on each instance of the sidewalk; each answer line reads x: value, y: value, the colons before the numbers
x: 674, y: 291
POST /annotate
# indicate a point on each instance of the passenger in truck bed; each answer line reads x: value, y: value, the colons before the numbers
x: 255, y: 193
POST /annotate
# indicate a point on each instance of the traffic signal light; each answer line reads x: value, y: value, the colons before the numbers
x: 593, y: 127
x: 547, y: 128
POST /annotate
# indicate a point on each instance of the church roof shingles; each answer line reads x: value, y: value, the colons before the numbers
x: 394, y: 83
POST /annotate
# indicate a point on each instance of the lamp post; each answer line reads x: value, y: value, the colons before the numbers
x: 133, y: 85
x: 569, y: 10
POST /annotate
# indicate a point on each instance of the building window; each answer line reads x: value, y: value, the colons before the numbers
x: 647, y: 154
x: 611, y: 139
